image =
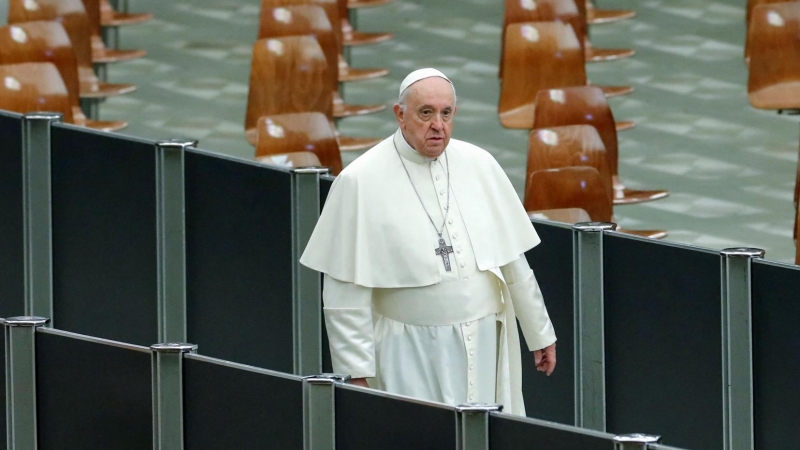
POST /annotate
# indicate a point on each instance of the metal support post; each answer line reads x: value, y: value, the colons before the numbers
x: 171, y: 236
x: 590, y: 377
x: 737, y: 347
x: 635, y: 441
x: 91, y: 107
x: 307, y: 285
x: 319, y: 414
x: 168, y: 394
x: 20, y: 334
x: 473, y: 422
x: 37, y: 215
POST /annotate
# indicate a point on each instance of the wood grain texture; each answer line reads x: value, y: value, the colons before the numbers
x: 100, y: 53
x: 287, y: 75
x: 774, y: 46
x: 109, y: 17
x: 537, y: 56
x: 299, y: 132
x: 294, y: 159
x: 569, y: 187
x: 33, y: 87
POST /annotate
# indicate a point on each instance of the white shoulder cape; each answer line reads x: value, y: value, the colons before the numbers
x: 373, y: 231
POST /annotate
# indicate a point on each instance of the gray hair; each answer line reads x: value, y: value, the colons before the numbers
x: 407, y: 92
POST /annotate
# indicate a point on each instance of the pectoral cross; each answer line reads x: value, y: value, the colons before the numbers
x: 443, y: 251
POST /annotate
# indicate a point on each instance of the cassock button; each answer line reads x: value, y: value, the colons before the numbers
x: 450, y: 221
x: 471, y: 367
x: 471, y: 353
x: 472, y: 383
x: 458, y: 250
x: 455, y: 235
x: 467, y: 324
x: 470, y: 397
x: 469, y: 338
x: 441, y: 192
x: 463, y: 264
x: 438, y: 177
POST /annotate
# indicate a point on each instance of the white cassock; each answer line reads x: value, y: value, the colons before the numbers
x: 394, y: 314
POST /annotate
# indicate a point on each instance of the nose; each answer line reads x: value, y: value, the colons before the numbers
x: 437, y: 123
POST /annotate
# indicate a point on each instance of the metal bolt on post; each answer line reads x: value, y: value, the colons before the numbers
x: 474, y: 425
x: 737, y: 347
x: 167, y: 367
x: 21, y: 427
x: 635, y: 441
x: 590, y: 384
x: 319, y: 413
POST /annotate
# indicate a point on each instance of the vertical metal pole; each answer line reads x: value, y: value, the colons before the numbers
x: 473, y: 420
x: 635, y: 441
x: 20, y: 334
x: 319, y: 413
x: 590, y: 377
x: 307, y: 288
x: 91, y: 107
x: 737, y: 347
x: 167, y: 391
x: 37, y: 215
x: 171, y: 237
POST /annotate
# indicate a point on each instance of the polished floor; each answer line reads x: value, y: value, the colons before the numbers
x: 730, y: 168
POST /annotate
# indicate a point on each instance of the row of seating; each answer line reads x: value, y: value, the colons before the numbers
x: 772, y: 54
x: 64, y: 35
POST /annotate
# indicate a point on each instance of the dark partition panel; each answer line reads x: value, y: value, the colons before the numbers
x: 239, y: 260
x: 366, y: 421
x: 12, y: 269
x: 227, y: 408
x: 325, y: 184
x: 92, y: 396
x: 663, y: 341
x: 513, y: 433
x: 3, y: 434
x: 776, y: 343
x: 551, y: 398
x: 104, y: 235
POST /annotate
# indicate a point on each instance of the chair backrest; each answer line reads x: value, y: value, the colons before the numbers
x: 753, y: 3
x: 302, y: 20
x: 33, y: 87
x: 582, y: 105
x: 294, y: 159
x: 297, y: 132
x: 774, y: 45
x: 331, y: 8
x: 536, y: 56
x: 569, y: 187
x: 519, y: 11
x: 288, y: 75
x: 568, y: 146
x: 42, y: 41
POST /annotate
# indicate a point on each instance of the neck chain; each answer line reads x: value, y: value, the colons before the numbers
x: 443, y: 248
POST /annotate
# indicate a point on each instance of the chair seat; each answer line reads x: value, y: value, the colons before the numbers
x: 653, y: 234
x: 616, y: 91
x: 565, y: 215
x: 777, y: 96
x: 350, y: 143
x: 341, y: 109
x: 627, y: 196
x: 607, y: 54
x: 354, y: 38
x: 110, y: 55
x: 347, y: 73
x: 106, y: 125
x: 623, y: 125
x: 603, y: 16
x: 352, y: 4
x: 520, y: 118
x: 95, y: 89
x: 115, y: 18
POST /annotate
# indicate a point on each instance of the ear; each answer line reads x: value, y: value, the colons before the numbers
x: 398, y: 113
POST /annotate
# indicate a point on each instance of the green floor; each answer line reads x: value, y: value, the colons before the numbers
x: 730, y: 169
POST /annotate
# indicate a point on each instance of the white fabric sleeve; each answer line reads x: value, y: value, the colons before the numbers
x: 348, y: 318
x: 528, y: 304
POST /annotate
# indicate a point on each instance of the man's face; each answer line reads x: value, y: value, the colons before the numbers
x: 427, y: 120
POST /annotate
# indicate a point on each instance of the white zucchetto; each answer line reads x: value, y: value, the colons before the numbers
x: 421, y: 74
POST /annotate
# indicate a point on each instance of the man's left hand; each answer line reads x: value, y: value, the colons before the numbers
x: 545, y: 359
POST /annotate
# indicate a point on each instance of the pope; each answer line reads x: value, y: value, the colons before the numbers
x: 422, y: 242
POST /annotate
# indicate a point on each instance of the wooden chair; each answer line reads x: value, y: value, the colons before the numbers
x: 575, y: 145
x: 33, y: 87
x: 310, y: 132
x: 290, y: 160
x: 353, y: 37
x: 72, y: 15
x: 47, y: 41
x: 519, y: 11
x: 100, y: 53
x: 353, y: 4
x: 311, y: 19
x: 587, y: 105
x: 774, y: 43
x: 109, y: 17
x: 596, y: 16
x: 289, y: 75
x: 750, y: 5
x: 568, y: 187
x: 565, y: 215
x: 537, y: 56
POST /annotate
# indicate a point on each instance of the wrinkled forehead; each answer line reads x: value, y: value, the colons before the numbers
x: 432, y: 90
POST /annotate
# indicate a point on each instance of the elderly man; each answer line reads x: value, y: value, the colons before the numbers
x: 422, y: 243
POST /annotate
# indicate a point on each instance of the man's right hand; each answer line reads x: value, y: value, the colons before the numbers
x: 359, y: 382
